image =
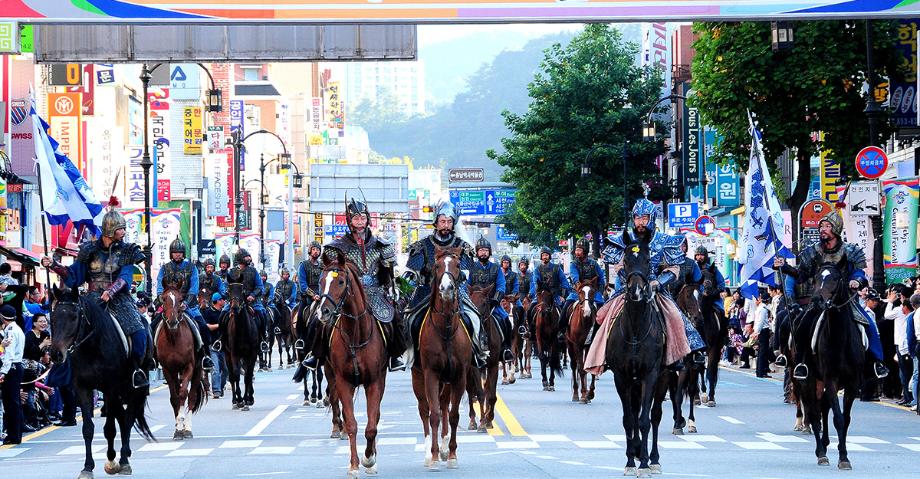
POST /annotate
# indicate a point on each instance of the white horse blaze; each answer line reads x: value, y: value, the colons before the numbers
x: 327, y: 283
x: 586, y: 290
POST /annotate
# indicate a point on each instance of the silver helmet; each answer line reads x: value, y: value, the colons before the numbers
x: 112, y: 222
x: 445, y: 208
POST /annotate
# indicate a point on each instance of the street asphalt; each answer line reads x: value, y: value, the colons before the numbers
x: 537, y: 435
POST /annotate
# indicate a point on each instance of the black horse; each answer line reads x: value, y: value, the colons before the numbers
x: 635, y: 353
x: 313, y: 393
x: 100, y: 360
x: 839, y: 347
x: 242, y: 335
x: 281, y: 332
x: 714, y: 330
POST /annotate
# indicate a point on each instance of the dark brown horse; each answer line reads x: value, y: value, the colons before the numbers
x: 489, y: 374
x: 516, y: 316
x: 522, y: 341
x: 714, y: 330
x: 242, y: 347
x: 282, y: 333
x: 445, y: 356
x: 686, y: 383
x: 581, y: 321
x: 313, y: 392
x: 549, y: 350
x: 357, y: 353
x: 176, y: 353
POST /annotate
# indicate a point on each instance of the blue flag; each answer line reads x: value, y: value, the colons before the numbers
x: 65, y: 193
x: 761, y: 237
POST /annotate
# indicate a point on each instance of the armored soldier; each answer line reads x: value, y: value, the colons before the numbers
x: 688, y: 273
x: 548, y: 276
x: 829, y: 249
x: 375, y: 260
x: 308, y: 274
x: 182, y: 273
x: 210, y: 281
x: 713, y: 283
x: 583, y: 268
x: 106, y: 266
x: 512, y: 282
x: 243, y: 273
x: 421, y: 260
x: 269, y: 290
x: 524, y: 277
x: 286, y: 289
x: 486, y: 274
x: 224, y: 265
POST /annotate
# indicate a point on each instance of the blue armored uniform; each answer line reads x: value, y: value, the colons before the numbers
x: 711, y: 282
x: 512, y: 284
x: 525, y: 278
x: 585, y: 268
x: 485, y: 274
x: 182, y: 273
x: 243, y: 273
x: 210, y: 281
x: 286, y: 290
x: 548, y: 276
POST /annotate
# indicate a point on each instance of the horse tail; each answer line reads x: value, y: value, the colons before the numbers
x: 136, y: 404
x: 199, y: 393
x: 555, y: 359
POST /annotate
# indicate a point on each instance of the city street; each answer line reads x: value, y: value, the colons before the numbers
x: 538, y: 434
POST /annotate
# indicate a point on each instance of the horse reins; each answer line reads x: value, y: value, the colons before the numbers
x: 339, y: 311
x: 81, y: 317
x: 635, y: 342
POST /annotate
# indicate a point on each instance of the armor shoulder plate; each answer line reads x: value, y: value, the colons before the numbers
x: 87, y: 251
x: 807, y: 261
x: 670, y: 246
x: 613, y: 253
x: 133, y: 254
x: 855, y: 255
x: 387, y: 252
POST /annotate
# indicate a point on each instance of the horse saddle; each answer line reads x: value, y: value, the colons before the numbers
x: 859, y: 325
x: 183, y: 318
x: 125, y: 340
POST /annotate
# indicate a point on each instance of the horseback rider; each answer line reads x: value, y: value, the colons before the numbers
x: 524, y: 277
x: 107, y: 266
x: 713, y: 283
x: 308, y: 274
x: 244, y: 273
x: 829, y: 249
x: 422, y: 261
x: 210, y: 280
x: 269, y: 295
x: 375, y: 260
x: 286, y: 289
x: 180, y: 271
x: 224, y: 265
x: 583, y: 268
x: 512, y: 283
x: 665, y: 258
x: 548, y: 276
x: 688, y: 273
x: 486, y: 274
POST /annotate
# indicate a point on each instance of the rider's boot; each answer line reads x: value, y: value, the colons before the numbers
x: 677, y: 366
x: 591, y: 333
x: 207, y: 365
x: 880, y: 370
x: 698, y: 358
x: 396, y: 364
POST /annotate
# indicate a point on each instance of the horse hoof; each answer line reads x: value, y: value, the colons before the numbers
x: 844, y: 466
x: 822, y: 461
x: 585, y: 401
x: 334, y: 435
x: 704, y: 397
x: 710, y: 403
x: 551, y: 389
x: 125, y: 470
x: 504, y: 382
x: 656, y: 468
x: 320, y: 405
x: 112, y: 467
x: 644, y: 473
x: 371, y: 471
x: 369, y: 461
x: 85, y: 475
x: 512, y: 380
x: 244, y: 408
x: 187, y: 434
x: 177, y: 436
x: 452, y: 463
x: 697, y: 402
x: 431, y: 464
x: 590, y: 396
x: 443, y: 454
x: 575, y: 399
x: 630, y: 471
x: 797, y: 428
x: 482, y: 429
x: 343, y: 436
x: 691, y: 429
x: 307, y: 402
x: 353, y: 474
x: 677, y: 431
x: 236, y: 405
x: 473, y: 426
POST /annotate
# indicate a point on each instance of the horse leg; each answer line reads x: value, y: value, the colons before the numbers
x: 647, y: 394
x: 125, y: 430
x: 456, y: 397
x: 249, y: 398
x: 184, y: 388
x: 418, y: 388
x: 345, y: 390
x: 623, y: 390
x: 111, y: 413
x: 171, y: 382
x: 814, y: 414
x: 491, y: 395
x: 712, y: 374
x: 661, y: 388
x: 471, y: 398
x: 692, y: 391
x: 432, y: 393
x: 677, y: 400
x: 849, y: 396
x: 574, y: 367
x: 374, y: 394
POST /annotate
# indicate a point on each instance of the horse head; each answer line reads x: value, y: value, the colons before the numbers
x: 587, y: 290
x: 446, y: 274
x: 636, y: 266
x: 171, y: 299
x: 68, y: 321
x: 480, y: 297
x: 335, y: 283
x: 832, y: 285
x: 688, y: 300
x: 235, y: 293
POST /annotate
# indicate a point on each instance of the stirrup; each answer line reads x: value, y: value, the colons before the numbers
x: 522, y: 330
x: 880, y: 370
x: 310, y: 363
x: 507, y: 356
x: 277, y: 330
x: 216, y: 346
x: 396, y: 364
x: 206, y: 364
x: 780, y: 360
x: 139, y: 379
x: 299, y: 345
x: 264, y: 346
x: 800, y: 372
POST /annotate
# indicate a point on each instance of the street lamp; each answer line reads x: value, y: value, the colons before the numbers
x: 648, y: 128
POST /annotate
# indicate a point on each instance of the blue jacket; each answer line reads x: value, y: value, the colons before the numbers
x: 499, y: 283
x: 911, y: 337
x: 563, y: 281
x: 191, y: 308
x: 601, y: 282
x: 719, y: 286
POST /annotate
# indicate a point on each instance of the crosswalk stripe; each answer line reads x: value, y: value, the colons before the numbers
x: 240, y: 444
x: 760, y: 446
x: 730, y: 420
x: 160, y: 446
x: 261, y: 425
x: 190, y: 452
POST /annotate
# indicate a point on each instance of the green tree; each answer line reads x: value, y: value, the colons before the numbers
x: 816, y: 86
x: 516, y: 221
x: 588, y: 103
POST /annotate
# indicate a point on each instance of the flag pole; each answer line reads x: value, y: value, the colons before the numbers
x: 41, y: 203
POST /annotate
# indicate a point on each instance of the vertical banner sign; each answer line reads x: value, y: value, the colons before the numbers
x: 858, y: 229
x: 224, y: 243
x: 236, y: 123
x: 158, y: 99
x: 134, y: 179
x: 900, y: 238
x: 318, y: 227
x: 65, y: 118
x: 902, y: 99
x: 191, y: 130
x: 691, y: 148
x: 272, y: 259
x: 246, y: 212
x: 316, y: 115
x: 218, y: 193
x: 227, y: 221
x: 215, y: 138
x: 3, y: 203
x: 335, y: 111
x: 22, y: 144
x: 87, y: 88
x: 166, y: 226
x: 830, y: 173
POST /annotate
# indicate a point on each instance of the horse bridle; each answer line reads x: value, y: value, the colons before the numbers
x: 338, y: 306
x: 829, y: 303
x: 170, y: 324
x: 645, y: 287
x: 339, y: 311
x: 651, y: 296
x: 453, y: 279
x: 83, y: 319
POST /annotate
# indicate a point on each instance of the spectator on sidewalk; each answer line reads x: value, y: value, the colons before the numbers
x: 11, y: 374
x: 896, y: 311
x: 762, y: 332
x: 870, y: 389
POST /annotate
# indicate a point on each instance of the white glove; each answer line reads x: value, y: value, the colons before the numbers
x: 654, y: 284
x: 854, y: 284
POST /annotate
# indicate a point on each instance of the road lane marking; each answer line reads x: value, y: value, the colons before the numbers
x: 278, y: 450
x: 76, y: 450
x: 495, y: 430
x: 702, y: 438
x: 261, y: 425
x: 160, y: 446
x: 511, y: 422
x: 675, y: 444
x: 240, y: 444
x: 190, y: 452
x: 730, y: 420
x: 781, y: 438
x: 597, y: 444
x: 291, y: 397
x: 549, y: 438
x: 517, y: 445
x: 759, y: 446
x: 8, y: 453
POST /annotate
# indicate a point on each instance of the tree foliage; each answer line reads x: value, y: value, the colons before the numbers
x: 588, y: 103
x: 816, y: 86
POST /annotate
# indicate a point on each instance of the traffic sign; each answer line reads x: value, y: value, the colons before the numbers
x: 705, y: 225
x: 501, y: 234
x: 871, y: 162
x: 682, y: 215
x: 466, y: 174
x: 482, y: 202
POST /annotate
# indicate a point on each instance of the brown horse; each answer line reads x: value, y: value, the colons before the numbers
x: 357, y: 353
x: 481, y: 298
x: 175, y: 351
x: 515, y: 315
x: 580, y: 323
x: 549, y: 350
x: 445, y: 356
x: 687, y: 381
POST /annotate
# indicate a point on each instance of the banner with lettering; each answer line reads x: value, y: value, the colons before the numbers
x: 900, y: 236
x: 165, y: 227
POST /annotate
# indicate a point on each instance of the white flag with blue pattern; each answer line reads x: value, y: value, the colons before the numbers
x: 761, y: 235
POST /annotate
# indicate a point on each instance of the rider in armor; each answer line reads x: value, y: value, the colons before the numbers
x: 224, y: 265
x: 665, y: 257
x: 269, y: 290
x: 524, y: 277
x: 713, y: 283
x: 107, y: 266
x: 210, y: 280
x: 583, y: 268
x: 286, y: 289
x: 829, y: 249
x: 180, y: 271
x: 311, y: 268
x: 688, y: 273
x: 548, y: 276
x: 243, y: 273
x: 422, y: 259
x: 375, y: 260
x: 512, y: 283
x: 485, y: 274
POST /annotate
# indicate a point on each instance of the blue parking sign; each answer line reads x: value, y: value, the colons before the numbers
x: 683, y: 215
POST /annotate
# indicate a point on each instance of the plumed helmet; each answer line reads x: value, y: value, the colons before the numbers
x: 354, y: 208
x: 645, y: 207
x: 508, y: 259
x: 445, y: 208
x: 177, y: 246
x: 835, y: 221
x: 315, y: 244
x: 583, y: 244
x: 546, y: 250
x: 524, y: 260
x: 224, y: 259
x: 240, y: 255
x: 112, y: 222
x: 482, y: 242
